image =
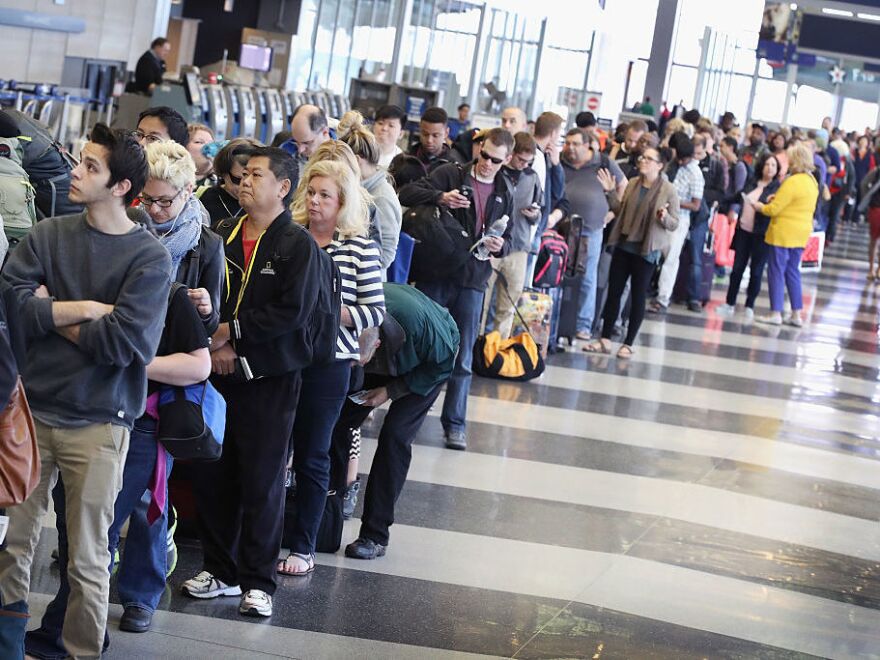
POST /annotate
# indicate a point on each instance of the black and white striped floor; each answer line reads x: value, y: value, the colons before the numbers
x: 717, y: 496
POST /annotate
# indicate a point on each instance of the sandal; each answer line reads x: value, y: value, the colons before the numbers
x: 657, y: 308
x: 625, y: 352
x: 599, y: 347
x: 308, y: 559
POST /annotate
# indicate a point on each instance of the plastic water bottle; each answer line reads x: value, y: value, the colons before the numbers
x: 497, y: 228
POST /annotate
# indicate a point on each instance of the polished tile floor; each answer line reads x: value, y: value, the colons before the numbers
x: 716, y: 497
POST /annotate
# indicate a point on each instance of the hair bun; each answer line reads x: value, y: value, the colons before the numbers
x: 351, y: 121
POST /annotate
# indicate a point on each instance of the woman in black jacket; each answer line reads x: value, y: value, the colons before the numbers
x: 221, y: 201
x: 180, y: 222
x: 748, y: 241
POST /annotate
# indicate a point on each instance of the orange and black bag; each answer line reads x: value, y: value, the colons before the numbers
x: 517, y: 358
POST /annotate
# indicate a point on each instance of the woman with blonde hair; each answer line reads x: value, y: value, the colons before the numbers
x: 335, y: 211
x: 791, y: 222
x: 386, y: 214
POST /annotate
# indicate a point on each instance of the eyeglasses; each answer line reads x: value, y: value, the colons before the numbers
x: 161, y: 202
x: 236, y: 180
x: 150, y: 138
x: 650, y: 160
x: 486, y: 156
x: 525, y: 162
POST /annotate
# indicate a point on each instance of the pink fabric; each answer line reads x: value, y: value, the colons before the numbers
x: 157, y: 485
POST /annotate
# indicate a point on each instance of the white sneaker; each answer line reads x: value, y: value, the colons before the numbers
x: 773, y: 318
x: 749, y: 314
x: 725, y: 310
x: 794, y: 321
x: 204, y: 585
x: 256, y: 603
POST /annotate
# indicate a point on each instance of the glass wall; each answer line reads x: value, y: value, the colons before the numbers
x: 339, y: 37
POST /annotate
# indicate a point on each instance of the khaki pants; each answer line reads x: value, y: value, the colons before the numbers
x: 91, y: 460
x: 513, y: 267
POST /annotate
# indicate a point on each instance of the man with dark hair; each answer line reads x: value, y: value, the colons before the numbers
x: 431, y: 148
x: 151, y: 67
x: 258, y: 352
x: 93, y: 289
x: 585, y: 119
x: 685, y: 174
x: 527, y: 200
x: 161, y: 124
x: 582, y: 160
x: 626, y: 153
x: 309, y: 130
x: 387, y: 127
x: 463, y: 123
x: 752, y: 152
x: 489, y: 198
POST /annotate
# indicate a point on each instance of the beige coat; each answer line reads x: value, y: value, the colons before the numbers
x: 656, y: 236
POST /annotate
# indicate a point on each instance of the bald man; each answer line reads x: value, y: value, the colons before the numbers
x: 513, y: 120
x: 309, y: 130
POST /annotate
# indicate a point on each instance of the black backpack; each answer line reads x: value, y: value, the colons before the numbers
x: 442, y: 243
x: 48, y: 165
x: 327, y: 315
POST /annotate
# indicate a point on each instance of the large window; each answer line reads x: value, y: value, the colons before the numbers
x: 857, y: 115
x: 769, y: 101
x: 809, y: 106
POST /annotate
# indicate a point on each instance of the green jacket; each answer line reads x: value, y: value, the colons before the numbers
x: 425, y: 356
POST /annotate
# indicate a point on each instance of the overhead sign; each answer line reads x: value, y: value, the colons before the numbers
x: 592, y: 101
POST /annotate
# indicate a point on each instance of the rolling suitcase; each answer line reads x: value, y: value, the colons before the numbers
x: 680, y: 290
x: 568, y: 296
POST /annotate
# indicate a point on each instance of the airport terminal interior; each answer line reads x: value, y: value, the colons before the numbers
x: 602, y: 379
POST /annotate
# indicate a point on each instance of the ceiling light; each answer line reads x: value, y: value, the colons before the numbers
x: 793, y: 6
x: 837, y: 12
x: 868, y: 17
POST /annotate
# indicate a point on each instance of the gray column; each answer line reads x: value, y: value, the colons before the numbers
x: 659, y: 65
x: 404, y: 16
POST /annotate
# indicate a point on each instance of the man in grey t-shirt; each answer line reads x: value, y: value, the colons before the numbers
x: 581, y: 161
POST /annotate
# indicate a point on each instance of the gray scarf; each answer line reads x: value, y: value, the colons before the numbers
x: 181, y: 235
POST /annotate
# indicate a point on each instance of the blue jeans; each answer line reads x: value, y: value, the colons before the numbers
x: 784, y: 273
x: 323, y: 391
x: 465, y: 306
x: 143, y: 567
x: 696, y: 238
x: 587, y: 294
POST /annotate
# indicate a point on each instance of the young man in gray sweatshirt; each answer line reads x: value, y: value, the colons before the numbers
x: 93, y: 290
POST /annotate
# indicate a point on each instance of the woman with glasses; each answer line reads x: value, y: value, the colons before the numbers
x: 647, y: 214
x: 221, y: 201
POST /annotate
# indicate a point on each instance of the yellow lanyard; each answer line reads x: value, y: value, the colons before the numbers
x: 247, y: 272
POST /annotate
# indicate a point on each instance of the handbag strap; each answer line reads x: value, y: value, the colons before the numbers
x: 503, y: 281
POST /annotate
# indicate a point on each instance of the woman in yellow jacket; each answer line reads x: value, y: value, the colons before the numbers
x: 791, y: 222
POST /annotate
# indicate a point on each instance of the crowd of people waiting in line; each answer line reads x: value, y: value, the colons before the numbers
x: 194, y: 259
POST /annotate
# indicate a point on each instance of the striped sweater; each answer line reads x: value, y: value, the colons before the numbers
x: 358, y: 261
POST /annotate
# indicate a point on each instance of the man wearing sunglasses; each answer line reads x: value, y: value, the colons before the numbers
x: 476, y: 194
x: 527, y: 201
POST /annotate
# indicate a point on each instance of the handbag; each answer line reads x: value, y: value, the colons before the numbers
x: 19, y: 455
x: 192, y: 421
x: 329, y: 536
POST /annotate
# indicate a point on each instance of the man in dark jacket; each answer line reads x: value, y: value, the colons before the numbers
x: 407, y: 360
x: 431, y: 148
x: 273, y: 279
x: 151, y: 67
x: 462, y: 292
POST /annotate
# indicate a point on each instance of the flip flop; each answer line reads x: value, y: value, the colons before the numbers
x: 625, y: 352
x: 597, y: 347
x: 281, y: 568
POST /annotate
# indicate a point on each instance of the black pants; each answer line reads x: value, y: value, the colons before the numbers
x: 836, y: 208
x: 750, y: 249
x: 240, y: 498
x: 393, y: 453
x: 626, y: 265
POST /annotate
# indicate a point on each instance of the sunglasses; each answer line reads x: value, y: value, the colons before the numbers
x: 486, y: 156
x: 236, y: 180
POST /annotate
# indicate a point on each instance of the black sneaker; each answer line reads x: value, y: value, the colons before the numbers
x: 350, y: 499
x: 695, y: 306
x: 136, y: 619
x: 364, y: 549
